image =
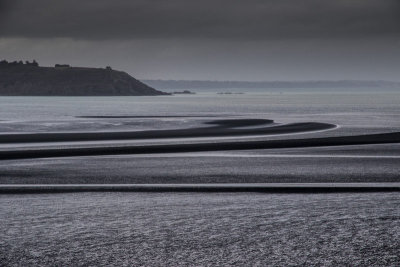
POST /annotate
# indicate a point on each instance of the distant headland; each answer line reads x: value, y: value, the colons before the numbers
x: 29, y: 79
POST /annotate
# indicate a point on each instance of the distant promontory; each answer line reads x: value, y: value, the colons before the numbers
x: 30, y: 79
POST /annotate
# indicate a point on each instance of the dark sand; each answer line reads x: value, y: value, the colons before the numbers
x: 144, y: 116
x: 206, y: 188
x: 201, y: 147
x: 220, y: 128
x: 258, y: 170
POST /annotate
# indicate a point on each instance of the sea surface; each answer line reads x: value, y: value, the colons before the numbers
x: 202, y: 229
x: 216, y: 229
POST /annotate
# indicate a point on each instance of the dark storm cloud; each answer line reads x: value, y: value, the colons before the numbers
x: 3, y: 9
x: 238, y: 19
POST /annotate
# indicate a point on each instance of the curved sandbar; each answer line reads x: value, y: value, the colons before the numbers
x: 219, y: 128
x: 142, y: 116
x: 383, y: 138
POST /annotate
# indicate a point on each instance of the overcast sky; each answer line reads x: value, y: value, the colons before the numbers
x: 209, y: 39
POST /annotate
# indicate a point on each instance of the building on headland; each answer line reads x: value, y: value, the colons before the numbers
x: 62, y: 66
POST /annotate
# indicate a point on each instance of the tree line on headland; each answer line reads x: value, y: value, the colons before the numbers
x: 14, y: 63
x: 34, y: 63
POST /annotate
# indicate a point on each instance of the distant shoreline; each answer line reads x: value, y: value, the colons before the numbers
x: 203, y: 84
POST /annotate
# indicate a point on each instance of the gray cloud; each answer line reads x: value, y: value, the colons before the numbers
x: 230, y: 19
x: 220, y: 59
x: 209, y: 39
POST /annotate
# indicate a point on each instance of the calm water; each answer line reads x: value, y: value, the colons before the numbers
x: 369, y: 110
x: 203, y: 229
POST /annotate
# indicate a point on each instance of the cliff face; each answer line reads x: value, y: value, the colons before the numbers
x: 25, y: 80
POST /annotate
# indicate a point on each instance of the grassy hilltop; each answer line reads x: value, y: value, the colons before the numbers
x: 29, y: 79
